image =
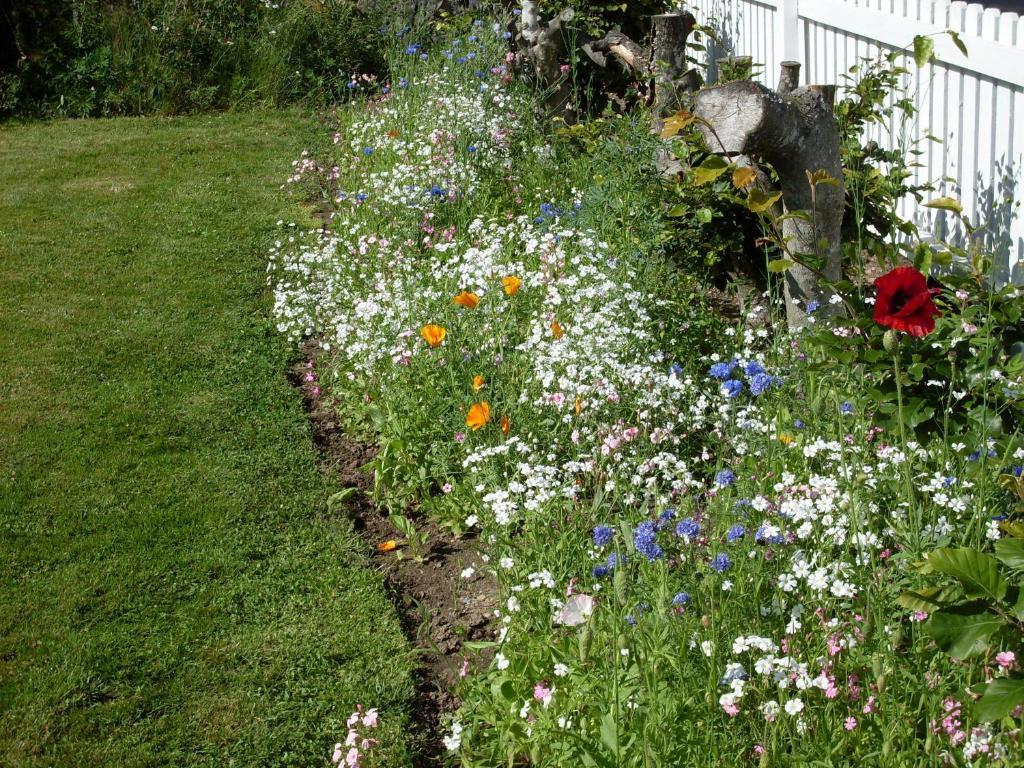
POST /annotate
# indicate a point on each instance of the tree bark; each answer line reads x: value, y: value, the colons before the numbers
x: 797, y: 134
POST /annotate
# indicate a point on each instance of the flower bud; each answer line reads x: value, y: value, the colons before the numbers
x: 890, y: 341
x: 583, y: 640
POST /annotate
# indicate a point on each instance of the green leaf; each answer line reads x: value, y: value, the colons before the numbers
x: 923, y: 258
x: 780, y: 265
x: 928, y: 599
x: 709, y: 170
x: 610, y: 732
x: 1001, y: 697
x: 957, y: 41
x: 962, y: 634
x: 945, y: 204
x: 678, y: 210
x: 759, y: 201
x: 1011, y: 552
x: 976, y: 571
x: 924, y: 50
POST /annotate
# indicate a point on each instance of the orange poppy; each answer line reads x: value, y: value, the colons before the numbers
x: 511, y: 284
x: 392, y: 134
x: 479, y: 414
x: 467, y: 300
x: 506, y: 425
x: 556, y: 330
x: 387, y: 546
x: 478, y: 383
x: 433, y: 334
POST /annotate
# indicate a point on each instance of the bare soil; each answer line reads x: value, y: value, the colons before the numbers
x: 438, y: 609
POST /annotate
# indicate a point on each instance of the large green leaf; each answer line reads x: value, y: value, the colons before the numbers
x: 1000, y: 699
x: 924, y: 50
x: 962, y: 634
x: 976, y: 571
x: 709, y: 170
x: 1011, y: 552
x: 927, y: 599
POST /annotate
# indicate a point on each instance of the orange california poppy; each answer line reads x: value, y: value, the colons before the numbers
x: 478, y: 383
x: 387, y: 546
x: 578, y: 406
x: 556, y: 330
x: 392, y: 134
x: 506, y: 425
x: 433, y: 334
x: 479, y: 414
x: 511, y: 284
x: 467, y: 300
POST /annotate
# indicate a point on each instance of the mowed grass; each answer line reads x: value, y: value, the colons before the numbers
x: 172, y: 589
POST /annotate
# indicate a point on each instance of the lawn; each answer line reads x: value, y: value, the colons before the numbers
x: 172, y: 589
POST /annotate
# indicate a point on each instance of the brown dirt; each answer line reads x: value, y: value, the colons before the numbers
x: 438, y: 609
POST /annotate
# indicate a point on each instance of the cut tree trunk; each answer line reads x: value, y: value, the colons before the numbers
x: 796, y: 133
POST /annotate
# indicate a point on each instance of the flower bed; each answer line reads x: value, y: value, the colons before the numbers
x: 710, y: 539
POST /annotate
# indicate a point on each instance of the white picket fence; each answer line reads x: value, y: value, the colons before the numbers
x: 973, y: 104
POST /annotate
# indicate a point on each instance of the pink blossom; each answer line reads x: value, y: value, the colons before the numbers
x: 352, y: 758
x: 1006, y: 660
x: 370, y: 719
x: 464, y: 669
x: 850, y: 723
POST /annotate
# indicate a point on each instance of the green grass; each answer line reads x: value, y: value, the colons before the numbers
x: 172, y: 590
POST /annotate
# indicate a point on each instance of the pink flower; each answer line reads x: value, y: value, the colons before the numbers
x: 850, y: 723
x: 464, y: 669
x: 460, y: 437
x: 352, y: 758
x: 869, y: 706
x: 1006, y: 660
x: 731, y: 709
x: 542, y: 693
x: 370, y: 719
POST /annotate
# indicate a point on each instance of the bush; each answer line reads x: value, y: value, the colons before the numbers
x: 89, y: 57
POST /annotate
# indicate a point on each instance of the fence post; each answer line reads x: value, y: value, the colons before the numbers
x: 787, y: 33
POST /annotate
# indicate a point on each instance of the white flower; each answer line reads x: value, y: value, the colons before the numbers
x: 794, y: 707
x: 467, y: 573
x: 561, y: 670
x: 454, y: 740
x: 501, y: 661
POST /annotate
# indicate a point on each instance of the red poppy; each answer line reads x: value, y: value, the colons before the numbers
x: 904, y: 302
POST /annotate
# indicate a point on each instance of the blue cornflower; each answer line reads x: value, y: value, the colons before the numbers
x: 403, y: 82
x: 721, y: 371
x: 644, y: 541
x: 350, y: 84
x: 437, y: 191
x: 721, y: 563
x: 753, y: 368
x: 603, y: 535
x: 681, y: 599
x: 762, y: 537
x: 471, y: 38
x: 506, y: 35
x: 413, y: 49
x: 974, y: 456
x: 798, y: 424
x: 367, y: 151
x: 1017, y: 471
x: 600, y: 571
x: 665, y: 517
x: 736, y: 532
x: 762, y: 382
x: 614, y: 560
x: 948, y: 481
x: 732, y: 387
x: 813, y: 306
x: 361, y: 196
x: 846, y: 408
x: 675, y: 369
x: 462, y: 60
x: 688, y: 528
x: 471, y: 148
x: 725, y: 477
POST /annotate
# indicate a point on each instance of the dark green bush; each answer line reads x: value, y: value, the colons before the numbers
x: 98, y: 57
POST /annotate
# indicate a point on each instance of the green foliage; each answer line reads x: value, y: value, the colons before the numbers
x: 87, y: 57
x: 979, y: 612
x: 599, y: 16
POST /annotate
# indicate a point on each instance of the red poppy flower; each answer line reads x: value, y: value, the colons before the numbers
x: 904, y: 302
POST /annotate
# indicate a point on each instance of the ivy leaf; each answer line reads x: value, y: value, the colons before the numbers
x: 1001, y: 697
x: 945, y: 204
x: 1011, y: 552
x: 924, y: 50
x: 743, y: 177
x: 962, y: 634
x: 976, y: 571
x: 759, y: 202
x: 676, y: 123
x: 709, y: 170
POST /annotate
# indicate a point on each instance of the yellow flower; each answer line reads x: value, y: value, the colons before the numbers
x: 511, y: 284
x: 387, y: 546
x: 479, y: 414
x: 506, y: 425
x: 478, y: 383
x: 787, y: 439
x: 578, y: 406
x: 556, y: 330
x: 467, y: 300
x: 433, y: 334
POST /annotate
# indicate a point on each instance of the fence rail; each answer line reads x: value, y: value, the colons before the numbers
x: 972, y: 105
